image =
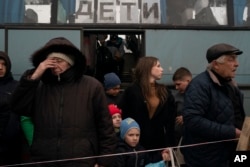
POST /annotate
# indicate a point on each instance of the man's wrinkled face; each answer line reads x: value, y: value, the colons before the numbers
x: 3, y: 68
x: 228, y: 67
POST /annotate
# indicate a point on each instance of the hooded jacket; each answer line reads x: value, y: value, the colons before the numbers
x: 70, y: 115
x: 10, y: 131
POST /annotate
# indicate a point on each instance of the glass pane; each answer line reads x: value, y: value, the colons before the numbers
x: 11, y: 11
x: 118, y: 11
x: 196, y: 12
x: 170, y: 12
x: 241, y: 12
x: 37, y: 11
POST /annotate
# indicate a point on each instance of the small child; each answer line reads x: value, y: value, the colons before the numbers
x: 116, y: 114
x: 130, y: 136
x: 112, y: 84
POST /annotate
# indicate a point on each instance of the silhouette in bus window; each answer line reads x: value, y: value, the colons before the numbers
x: 132, y: 43
x: 179, y: 11
x: 203, y: 14
x: 30, y: 16
x: 105, y: 62
x: 117, y: 42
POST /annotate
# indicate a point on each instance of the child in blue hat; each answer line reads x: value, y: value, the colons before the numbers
x: 130, y: 135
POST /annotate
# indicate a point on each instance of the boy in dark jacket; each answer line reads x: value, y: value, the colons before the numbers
x: 129, y: 143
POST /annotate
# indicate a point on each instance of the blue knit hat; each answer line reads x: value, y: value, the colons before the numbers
x: 126, y: 125
x: 111, y: 80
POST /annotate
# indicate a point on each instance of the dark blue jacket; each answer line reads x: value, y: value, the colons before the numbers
x: 208, y: 116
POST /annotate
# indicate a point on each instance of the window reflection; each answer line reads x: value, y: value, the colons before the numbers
x: 197, y: 12
x: 167, y: 12
x: 11, y: 11
x: 170, y: 12
x: 37, y: 11
x: 241, y: 12
x: 37, y: 2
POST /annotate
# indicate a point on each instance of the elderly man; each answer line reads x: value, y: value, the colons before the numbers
x: 213, y: 110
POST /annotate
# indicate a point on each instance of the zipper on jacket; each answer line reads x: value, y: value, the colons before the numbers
x: 136, y: 158
x: 58, y: 78
x: 59, y: 123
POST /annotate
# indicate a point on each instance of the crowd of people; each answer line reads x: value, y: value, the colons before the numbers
x: 62, y: 117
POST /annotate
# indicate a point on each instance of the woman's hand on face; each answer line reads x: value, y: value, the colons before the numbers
x: 43, y: 66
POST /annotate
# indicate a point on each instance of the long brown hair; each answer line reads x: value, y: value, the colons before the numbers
x: 142, y: 73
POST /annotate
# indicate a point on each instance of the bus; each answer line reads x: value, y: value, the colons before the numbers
x: 178, y: 32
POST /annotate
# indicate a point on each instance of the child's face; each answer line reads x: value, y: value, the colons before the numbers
x: 114, y: 91
x: 181, y: 85
x: 116, y: 118
x: 132, y: 137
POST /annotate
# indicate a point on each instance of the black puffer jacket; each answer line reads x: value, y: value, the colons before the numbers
x: 10, y: 130
x: 208, y: 116
x: 71, y: 118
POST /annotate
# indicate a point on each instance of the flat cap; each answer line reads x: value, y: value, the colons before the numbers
x: 220, y: 49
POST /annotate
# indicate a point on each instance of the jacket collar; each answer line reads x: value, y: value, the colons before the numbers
x: 216, y: 80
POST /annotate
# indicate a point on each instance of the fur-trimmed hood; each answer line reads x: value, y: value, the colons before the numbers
x: 61, y: 45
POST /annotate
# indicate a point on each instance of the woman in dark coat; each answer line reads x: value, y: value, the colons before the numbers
x: 151, y: 104
x: 68, y: 109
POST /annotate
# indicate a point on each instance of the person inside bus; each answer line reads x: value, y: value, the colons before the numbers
x: 179, y: 11
x: 213, y: 110
x: 107, y: 58
x: 117, y: 42
x: 112, y: 86
x: 203, y: 14
x: 68, y: 109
